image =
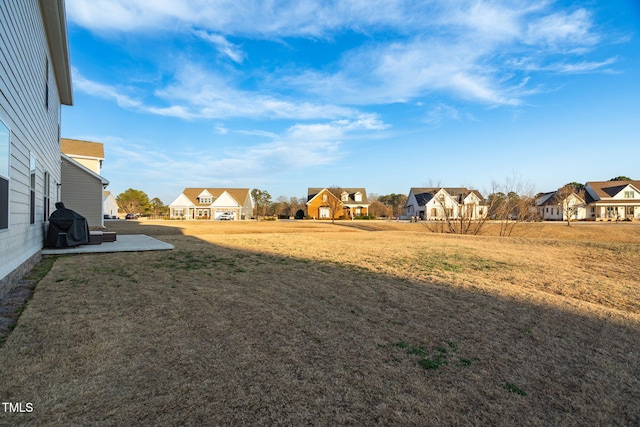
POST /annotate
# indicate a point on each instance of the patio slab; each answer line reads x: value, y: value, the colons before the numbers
x: 124, y: 243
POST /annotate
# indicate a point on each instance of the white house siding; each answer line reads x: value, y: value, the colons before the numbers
x: 109, y: 204
x: 33, y: 128
x: 82, y: 192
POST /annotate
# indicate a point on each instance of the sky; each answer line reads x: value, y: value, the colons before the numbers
x: 381, y: 94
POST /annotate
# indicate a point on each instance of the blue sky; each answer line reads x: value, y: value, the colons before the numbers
x: 386, y: 94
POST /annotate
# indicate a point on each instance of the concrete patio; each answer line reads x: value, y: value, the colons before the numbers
x: 123, y: 243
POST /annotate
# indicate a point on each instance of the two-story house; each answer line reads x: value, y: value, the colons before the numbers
x: 35, y: 80
x: 611, y: 200
x: 348, y: 202
x: 212, y: 204
x: 437, y: 203
x: 82, y: 185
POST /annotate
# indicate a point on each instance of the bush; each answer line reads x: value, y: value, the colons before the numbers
x: 299, y: 214
x: 365, y: 217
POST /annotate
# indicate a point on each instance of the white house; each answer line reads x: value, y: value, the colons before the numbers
x: 611, y: 200
x: 35, y: 80
x: 212, y: 204
x: 109, y: 204
x: 439, y: 203
x: 556, y: 206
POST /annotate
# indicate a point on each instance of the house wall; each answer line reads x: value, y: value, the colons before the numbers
x: 110, y: 206
x: 82, y: 192
x: 91, y: 164
x: 313, y: 206
x: 34, y: 131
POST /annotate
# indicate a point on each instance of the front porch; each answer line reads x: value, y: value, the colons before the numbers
x: 617, y: 212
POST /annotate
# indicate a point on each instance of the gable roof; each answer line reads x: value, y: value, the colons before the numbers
x: 238, y: 194
x: 424, y: 195
x: 84, y: 169
x: 553, y: 198
x: 79, y: 148
x: 545, y: 198
x: 314, y: 191
x: 607, y: 189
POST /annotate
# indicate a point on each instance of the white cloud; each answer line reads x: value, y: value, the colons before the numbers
x: 562, y: 30
x: 223, y: 45
x: 471, y: 49
x: 103, y: 91
x: 578, y: 67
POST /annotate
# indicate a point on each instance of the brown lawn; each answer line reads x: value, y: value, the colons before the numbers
x: 292, y: 323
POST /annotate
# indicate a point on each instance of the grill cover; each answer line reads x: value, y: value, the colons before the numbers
x: 67, y: 228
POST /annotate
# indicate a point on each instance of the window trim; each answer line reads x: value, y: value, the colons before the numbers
x: 33, y: 178
x: 7, y: 178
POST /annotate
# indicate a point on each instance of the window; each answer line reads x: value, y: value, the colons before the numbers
x: 32, y: 201
x: 46, y: 191
x: 4, y: 176
x: 46, y: 82
x: 629, y: 195
x: 358, y: 197
x: 324, y: 197
x: 345, y: 196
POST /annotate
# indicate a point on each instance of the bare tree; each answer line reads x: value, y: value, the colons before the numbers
x: 459, y: 217
x: 282, y: 207
x: 571, y: 199
x: 395, y: 201
x: 511, y: 204
x: 379, y: 209
x: 335, y: 203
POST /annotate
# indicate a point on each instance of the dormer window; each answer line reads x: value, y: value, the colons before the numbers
x: 345, y: 196
x: 358, y: 197
x: 205, y: 200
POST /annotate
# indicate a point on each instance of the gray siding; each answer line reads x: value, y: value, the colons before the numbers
x: 82, y: 192
x: 34, y: 128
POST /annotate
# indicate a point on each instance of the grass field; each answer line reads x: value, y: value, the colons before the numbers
x: 291, y: 323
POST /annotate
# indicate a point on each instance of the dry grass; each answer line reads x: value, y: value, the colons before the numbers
x: 358, y: 323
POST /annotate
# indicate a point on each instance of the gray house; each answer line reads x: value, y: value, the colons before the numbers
x: 33, y: 87
x: 82, y: 185
x: 82, y: 190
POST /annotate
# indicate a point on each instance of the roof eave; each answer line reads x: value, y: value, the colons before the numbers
x: 55, y: 24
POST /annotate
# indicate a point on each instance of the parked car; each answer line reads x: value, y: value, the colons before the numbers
x: 226, y: 216
x: 131, y: 216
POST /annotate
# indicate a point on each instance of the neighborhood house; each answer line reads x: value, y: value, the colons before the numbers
x: 602, y: 201
x: 347, y: 202
x: 445, y: 202
x: 212, y: 204
x: 83, y: 187
x: 608, y: 200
